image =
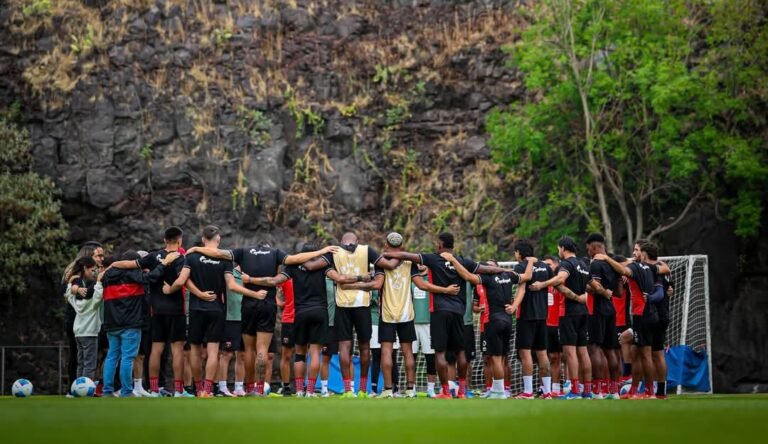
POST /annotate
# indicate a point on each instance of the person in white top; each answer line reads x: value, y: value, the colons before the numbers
x: 85, y: 294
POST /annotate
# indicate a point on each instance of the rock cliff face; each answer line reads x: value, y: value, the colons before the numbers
x: 282, y: 121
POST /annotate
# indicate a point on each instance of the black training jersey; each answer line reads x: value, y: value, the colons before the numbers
x: 167, y: 304
x: 498, y: 292
x: 602, y: 272
x: 534, y: 305
x: 444, y: 275
x: 309, y: 292
x: 577, y: 280
x: 663, y: 305
x: 208, y: 275
x: 259, y: 261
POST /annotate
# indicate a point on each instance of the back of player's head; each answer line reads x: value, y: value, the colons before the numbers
x: 650, y: 249
x: 394, y: 239
x: 446, y: 240
x: 349, y: 238
x: 172, y: 234
x: 210, y: 232
x: 129, y: 255
x: 109, y: 260
x: 83, y: 263
x: 552, y: 258
x: 568, y: 244
x: 308, y: 246
x: 618, y: 258
x: 595, y: 237
x: 524, y: 247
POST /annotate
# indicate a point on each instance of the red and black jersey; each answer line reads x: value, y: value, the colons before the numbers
x: 620, y: 305
x: 640, y: 286
x: 124, y: 296
x: 481, y: 297
x: 289, y: 310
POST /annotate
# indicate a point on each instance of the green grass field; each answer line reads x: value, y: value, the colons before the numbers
x: 721, y: 419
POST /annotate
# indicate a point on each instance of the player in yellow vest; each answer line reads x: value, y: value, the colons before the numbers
x: 397, y: 314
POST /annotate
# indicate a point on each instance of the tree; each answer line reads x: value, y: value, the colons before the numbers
x: 625, y: 127
x: 33, y: 229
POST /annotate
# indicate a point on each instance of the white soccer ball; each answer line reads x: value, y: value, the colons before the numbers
x: 267, y: 389
x: 22, y: 388
x: 83, y: 387
x: 566, y: 387
x: 625, y: 387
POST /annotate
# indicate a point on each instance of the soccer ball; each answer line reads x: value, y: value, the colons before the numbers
x: 625, y: 387
x: 566, y: 387
x: 267, y: 388
x: 22, y: 388
x: 83, y: 387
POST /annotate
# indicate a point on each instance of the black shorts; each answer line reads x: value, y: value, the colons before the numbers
x: 258, y: 318
x: 331, y: 348
x: 496, y: 338
x: 233, y: 338
x: 145, y: 345
x: 206, y: 326
x: 348, y: 318
x: 553, y: 340
x: 287, y: 335
x: 574, y: 330
x: 311, y: 327
x: 658, y: 336
x: 641, y: 332
x: 531, y: 334
x: 447, y: 331
x: 404, y: 331
x: 169, y: 328
x: 601, y: 331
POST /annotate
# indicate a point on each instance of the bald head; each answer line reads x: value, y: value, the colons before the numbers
x: 349, y: 238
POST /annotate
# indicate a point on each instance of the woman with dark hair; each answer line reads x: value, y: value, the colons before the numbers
x: 85, y: 297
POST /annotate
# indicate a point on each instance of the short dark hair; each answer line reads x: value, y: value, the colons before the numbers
x: 595, y: 237
x: 524, y: 247
x: 83, y: 263
x: 618, y: 258
x: 129, y: 255
x: 554, y: 259
x: 568, y: 244
x: 308, y: 246
x: 446, y: 239
x: 210, y: 232
x: 173, y: 234
x: 651, y: 249
x: 109, y: 260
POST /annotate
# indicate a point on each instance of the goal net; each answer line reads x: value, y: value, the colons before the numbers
x: 689, y: 325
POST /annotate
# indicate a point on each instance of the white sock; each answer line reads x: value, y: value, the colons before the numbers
x: 222, y: 385
x: 546, y: 384
x: 528, y: 384
x: 323, y: 386
x: 137, y: 384
x: 431, y: 388
x: 451, y: 385
x: 498, y: 385
x: 581, y: 388
x: 556, y: 387
x: 239, y: 386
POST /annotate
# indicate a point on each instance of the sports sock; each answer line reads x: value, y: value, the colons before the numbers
x: 627, y: 369
x: 199, y: 386
x: 661, y: 388
x: 260, y: 388
x: 613, y: 386
x: 488, y: 387
x: 556, y: 387
x: 250, y: 387
x: 363, y: 384
x: 324, y: 386
x: 299, y: 382
x: 154, y: 384
x: 208, y: 386
x: 347, y: 385
x: 137, y: 385
x: 446, y: 389
x: 497, y: 385
x: 431, y: 388
x: 575, y: 386
x: 311, y: 385
x: 222, y: 386
x: 374, y: 387
x: 588, y: 387
x: 239, y: 386
x: 178, y: 385
x: 451, y: 385
x: 527, y: 384
x: 546, y: 384
x: 462, y: 386
x: 633, y: 388
x: 595, y: 387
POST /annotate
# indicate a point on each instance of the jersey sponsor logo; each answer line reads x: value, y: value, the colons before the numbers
x: 502, y: 281
x: 205, y: 260
x: 449, y: 266
x: 418, y: 293
x: 540, y: 269
x: 159, y: 257
x: 582, y: 271
x: 256, y: 252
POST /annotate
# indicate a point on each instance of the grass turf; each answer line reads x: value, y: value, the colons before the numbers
x: 721, y: 419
